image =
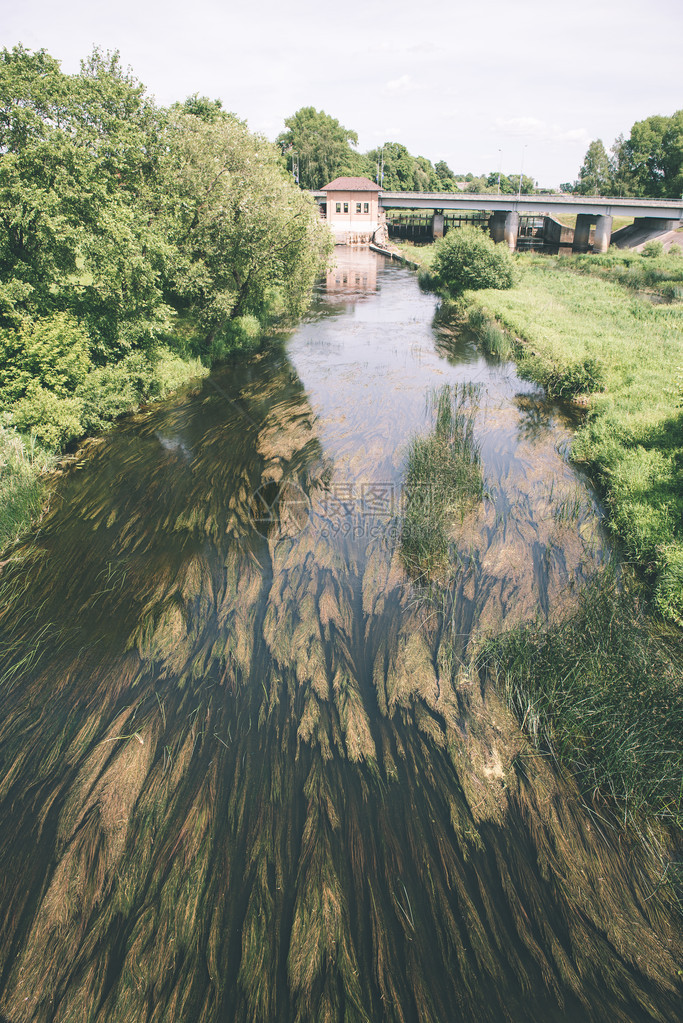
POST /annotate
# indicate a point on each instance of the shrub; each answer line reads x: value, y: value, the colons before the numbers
x: 52, y: 352
x: 653, y: 250
x: 51, y: 420
x: 110, y: 391
x: 107, y: 393
x: 240, y: 333
x: 468, y: 259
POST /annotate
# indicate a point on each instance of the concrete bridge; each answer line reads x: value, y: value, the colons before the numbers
x: 659, y: 214
x: 506, y: 209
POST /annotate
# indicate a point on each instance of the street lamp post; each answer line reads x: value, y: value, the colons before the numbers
x: 500, y: 167
x: 521, y: 172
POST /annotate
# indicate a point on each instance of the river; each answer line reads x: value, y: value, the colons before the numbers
x: 248, y: 767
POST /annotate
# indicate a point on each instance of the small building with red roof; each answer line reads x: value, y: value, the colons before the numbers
x: 352, y: 209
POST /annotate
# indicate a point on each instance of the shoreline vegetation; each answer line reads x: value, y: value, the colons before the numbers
x: 602, y: 689
x: 139, y: 246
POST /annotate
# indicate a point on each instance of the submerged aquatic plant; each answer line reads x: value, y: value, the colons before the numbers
x: 241, y: 778
x: 443, y: 476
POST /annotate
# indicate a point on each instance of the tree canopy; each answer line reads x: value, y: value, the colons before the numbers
x: 320, y: 146
x: 117, y: 215
x: 647, y: 163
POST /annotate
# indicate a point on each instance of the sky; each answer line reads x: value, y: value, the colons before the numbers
x: 522, y: 85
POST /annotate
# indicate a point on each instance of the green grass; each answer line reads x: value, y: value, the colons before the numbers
x: 443, y: 476
x: 21, y: 488
x: 661, y: 274
x: 585, y: 337
x: 602, y: 688
x: 603, y: 691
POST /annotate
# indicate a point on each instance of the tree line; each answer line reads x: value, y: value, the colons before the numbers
x: 316, y: 148
x: 126, y: 227
x: 649, y: 163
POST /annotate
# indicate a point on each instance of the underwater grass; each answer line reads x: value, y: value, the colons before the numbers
x: 602, y: 690
x: 443, y: 475
x: 233, y: 784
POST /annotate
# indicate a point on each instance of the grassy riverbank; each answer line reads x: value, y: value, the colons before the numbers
x: 21, y: 486
x: 602, y: 688
x: 591, y: 340
x: 585, y: 338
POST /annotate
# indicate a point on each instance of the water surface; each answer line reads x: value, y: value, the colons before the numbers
x: 246, y: 771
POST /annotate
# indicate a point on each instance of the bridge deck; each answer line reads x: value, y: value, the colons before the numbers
x: 665, y: 209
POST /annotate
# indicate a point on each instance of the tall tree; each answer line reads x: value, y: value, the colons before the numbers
x: 595, y: 175
x: 79, y: 198
x: 238, y: 221
x: 321, y: 146
x: 399, y: 167
x: 447, y: 181
x: 650, y: 161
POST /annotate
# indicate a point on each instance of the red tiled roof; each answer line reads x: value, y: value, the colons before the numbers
x: 351, y: 185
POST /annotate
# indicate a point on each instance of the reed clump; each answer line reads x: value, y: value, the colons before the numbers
x: 443, y: 477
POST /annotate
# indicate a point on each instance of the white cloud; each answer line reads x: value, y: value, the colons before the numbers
x: 399, y: 85
x: 540, y: 131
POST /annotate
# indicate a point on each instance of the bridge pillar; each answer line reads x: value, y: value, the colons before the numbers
x: 497, y: 225
x: 438, y: 225
x: 582, y: 232
x: 511, y: 229
x: 603, y: 233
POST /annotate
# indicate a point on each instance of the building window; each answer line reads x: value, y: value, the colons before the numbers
x: 366, y: 207
x: 346, y: 207
x: 357, y: 207
x: 338, y: 207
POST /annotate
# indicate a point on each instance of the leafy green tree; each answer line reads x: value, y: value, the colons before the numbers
x: 507, y: 187
x: 241, y: 226
x: 402, y: 171
x: 208, y: 110
x: 322, y: 147
x: 468, y: 259
x: 477, y: 185
x: 39, y: 236
x: 425, y: 178
x: 447, y: 181
x: 80, y: 198
x: 528, y: 184
x: 595, y: 175
x: 650, y: 161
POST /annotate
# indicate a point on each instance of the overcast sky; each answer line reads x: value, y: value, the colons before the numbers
x: 517, y: 80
